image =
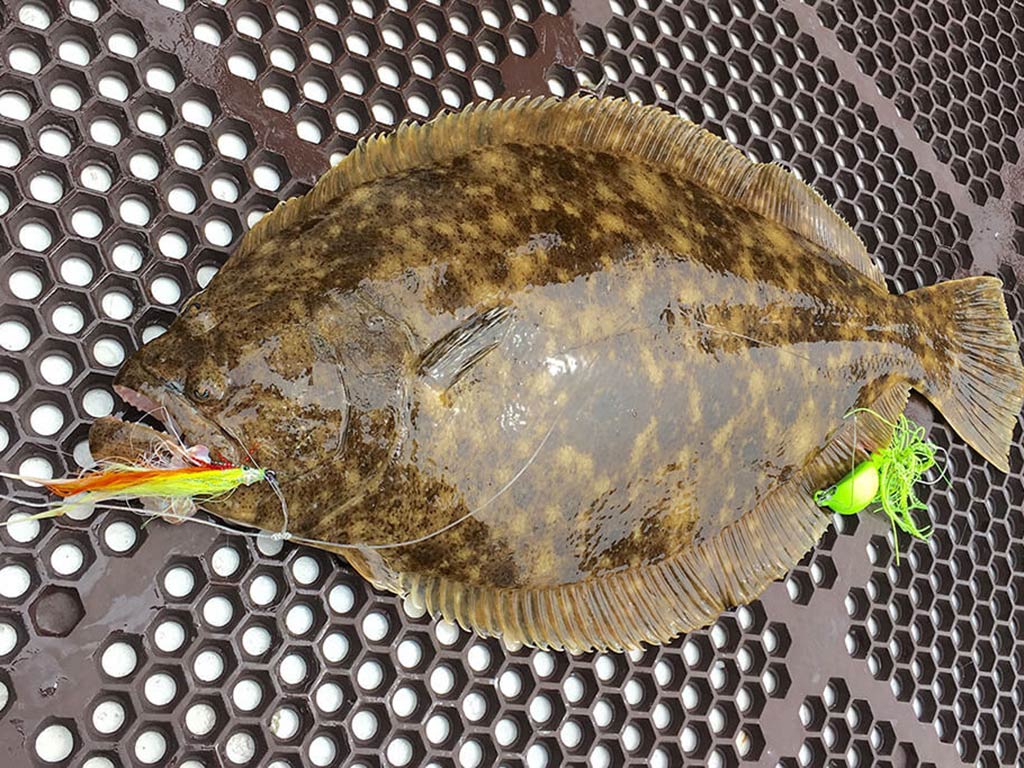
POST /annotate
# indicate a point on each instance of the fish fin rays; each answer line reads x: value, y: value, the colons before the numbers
x: 409, y: 147
x: 654, y: 603
x: 453, y: 355
x: 609, y: 125
x: 777, y: 194
x: 861, y: 433
x: 980, y: 391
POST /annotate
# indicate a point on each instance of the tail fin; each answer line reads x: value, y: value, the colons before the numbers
x: 979, y: 386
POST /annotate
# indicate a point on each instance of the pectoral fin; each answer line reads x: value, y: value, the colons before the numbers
x: 449, y: 358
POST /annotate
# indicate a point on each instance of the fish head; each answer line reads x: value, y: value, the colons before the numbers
x: 308, y: 388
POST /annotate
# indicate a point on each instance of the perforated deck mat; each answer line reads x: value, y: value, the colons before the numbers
x: 139, y: 140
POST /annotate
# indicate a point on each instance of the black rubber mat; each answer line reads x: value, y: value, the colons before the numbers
x: 139, y: 140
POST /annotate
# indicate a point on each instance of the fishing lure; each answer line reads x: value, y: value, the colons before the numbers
x: 887, y: 478
x: 176, y: 489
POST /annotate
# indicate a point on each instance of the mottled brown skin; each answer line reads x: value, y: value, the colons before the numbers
x: 660, y: 361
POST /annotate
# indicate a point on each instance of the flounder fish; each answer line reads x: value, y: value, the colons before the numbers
x: 567, y: 372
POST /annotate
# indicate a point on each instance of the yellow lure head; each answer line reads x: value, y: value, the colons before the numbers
x: 887, y: 478
x: 854, y: 492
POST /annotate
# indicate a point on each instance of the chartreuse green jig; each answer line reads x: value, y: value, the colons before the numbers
x: 887, y: 478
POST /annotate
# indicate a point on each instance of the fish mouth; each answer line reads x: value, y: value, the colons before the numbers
x: 140, y: 401
x: 181, y: 419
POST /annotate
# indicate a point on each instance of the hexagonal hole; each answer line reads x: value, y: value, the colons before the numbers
x: 56, y: 611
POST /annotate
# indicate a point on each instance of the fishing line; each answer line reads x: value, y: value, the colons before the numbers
x: 471, y: 513
x: 271, y: 479
x: 59, y: 508
x: 287, y: 536
x: 98, y: 493
x: 162, y: 456
x: 759, y: 342
x: 32, y: 504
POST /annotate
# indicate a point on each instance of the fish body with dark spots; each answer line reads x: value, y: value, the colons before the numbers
x: 569, y: 372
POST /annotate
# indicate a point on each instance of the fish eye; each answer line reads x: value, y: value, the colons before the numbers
x: 200, y: 393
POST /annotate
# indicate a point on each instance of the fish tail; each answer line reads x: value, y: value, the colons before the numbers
x: 972, y: 363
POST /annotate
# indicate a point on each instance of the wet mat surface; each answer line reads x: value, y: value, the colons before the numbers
x: 139, y: 140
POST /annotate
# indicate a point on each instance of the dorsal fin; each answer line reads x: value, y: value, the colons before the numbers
x: 611, y: 125
x: 779, y: 195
